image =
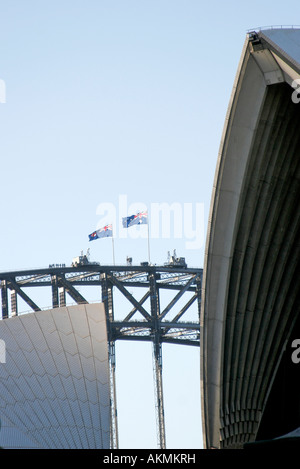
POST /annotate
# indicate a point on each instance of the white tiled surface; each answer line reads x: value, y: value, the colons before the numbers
x: 54, y: 386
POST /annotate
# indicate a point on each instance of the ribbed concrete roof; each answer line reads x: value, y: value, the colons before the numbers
x: 54, y: 383
x: 251, y: 273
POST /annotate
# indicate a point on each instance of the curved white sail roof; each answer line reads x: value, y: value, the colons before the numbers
x: 54, y: 384
x: 250, y: 277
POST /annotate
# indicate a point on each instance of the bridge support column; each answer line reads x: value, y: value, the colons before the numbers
x: 14, y: 303
x: 107, y: 299
x: 55, y: 298
x: 157, y: 366
x: 62, y: 296
x: 4, y: 299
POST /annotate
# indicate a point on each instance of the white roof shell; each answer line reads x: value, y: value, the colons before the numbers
x: 54, y: 384
x: 232, y: 331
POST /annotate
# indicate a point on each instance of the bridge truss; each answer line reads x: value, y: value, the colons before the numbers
x: 147, y: 320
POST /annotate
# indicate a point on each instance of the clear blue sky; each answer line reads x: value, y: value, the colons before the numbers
x: 118, y: 98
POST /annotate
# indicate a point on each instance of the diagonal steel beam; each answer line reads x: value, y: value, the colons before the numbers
x: 184, y: 308
x: 134, y: 310
x: 14, y: 286
x: 74, y: 294
x: 177, y: 297
x: 130, y: 297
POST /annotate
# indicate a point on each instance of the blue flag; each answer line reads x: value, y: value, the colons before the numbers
x: 104, y: 232
x: 140, y: 218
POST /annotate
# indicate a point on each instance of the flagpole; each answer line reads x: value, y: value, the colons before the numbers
x: 113, y: 247
x: 148, y: 239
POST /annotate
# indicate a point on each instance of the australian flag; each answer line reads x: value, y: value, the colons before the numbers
x: 104, y: 232
x: 138, y: 219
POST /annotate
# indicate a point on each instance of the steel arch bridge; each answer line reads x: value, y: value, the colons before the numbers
x: 147, y: 320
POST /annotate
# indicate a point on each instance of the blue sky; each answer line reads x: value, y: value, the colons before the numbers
x: 118, y: 98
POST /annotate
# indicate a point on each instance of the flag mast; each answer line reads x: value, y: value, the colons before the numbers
x: 113, y: 246
x: 148, y: 238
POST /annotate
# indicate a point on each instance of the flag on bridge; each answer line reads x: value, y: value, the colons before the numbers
x: 140, y: 218
x: 104, y: 232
